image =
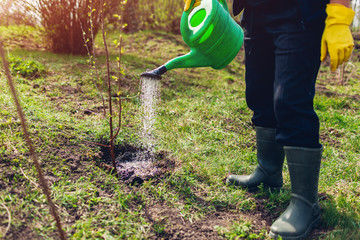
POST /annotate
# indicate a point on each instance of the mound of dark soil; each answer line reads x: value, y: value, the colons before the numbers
x: 135, y: 165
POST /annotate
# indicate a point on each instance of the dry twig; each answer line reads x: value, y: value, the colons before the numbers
x: 9, y: 219
x: 351, y: 73
x: 42, y: 180
x: 31, y: 181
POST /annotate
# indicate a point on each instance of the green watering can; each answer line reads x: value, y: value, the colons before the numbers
x: 212, y: 35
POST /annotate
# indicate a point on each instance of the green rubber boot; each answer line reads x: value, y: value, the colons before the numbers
x: 303, y: 213
x: 270, y: 157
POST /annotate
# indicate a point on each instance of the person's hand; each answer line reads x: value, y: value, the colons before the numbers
x: 188, y: 3
x: 337, y: 40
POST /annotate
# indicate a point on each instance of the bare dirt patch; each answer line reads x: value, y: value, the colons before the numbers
x: 325, y: 137
x: 169, y: 224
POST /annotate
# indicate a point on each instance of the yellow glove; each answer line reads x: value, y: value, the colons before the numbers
x: 337, y: 39
x: 188, y: 3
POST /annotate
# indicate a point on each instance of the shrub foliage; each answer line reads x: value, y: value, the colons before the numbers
x: 65, y: 20
x: 25, y: 68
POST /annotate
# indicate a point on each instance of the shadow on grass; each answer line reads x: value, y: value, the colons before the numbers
x: 335, y: 223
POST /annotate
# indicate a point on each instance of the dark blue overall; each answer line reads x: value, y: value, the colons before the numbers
x: 282, y: 58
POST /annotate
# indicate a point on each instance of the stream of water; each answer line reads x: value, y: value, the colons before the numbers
x: 132, y: 166
x: 150, y: 95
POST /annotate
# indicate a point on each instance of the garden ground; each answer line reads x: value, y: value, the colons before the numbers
x: 203, y: 132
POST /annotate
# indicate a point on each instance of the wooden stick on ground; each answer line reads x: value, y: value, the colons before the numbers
x: 9, y: 219
x: 42, y: 180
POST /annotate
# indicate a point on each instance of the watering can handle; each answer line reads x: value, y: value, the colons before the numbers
x: 191, y: 5
x: 222, y: 2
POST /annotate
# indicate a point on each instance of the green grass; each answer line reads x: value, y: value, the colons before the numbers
x: 203, y: 123
x: 20, y: 36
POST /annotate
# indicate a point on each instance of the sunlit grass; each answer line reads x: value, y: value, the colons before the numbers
x: 204, y: 124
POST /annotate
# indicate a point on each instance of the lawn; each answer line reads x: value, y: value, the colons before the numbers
x: 203, y: 132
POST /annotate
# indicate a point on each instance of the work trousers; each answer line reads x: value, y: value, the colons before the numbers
x: 282, y: 58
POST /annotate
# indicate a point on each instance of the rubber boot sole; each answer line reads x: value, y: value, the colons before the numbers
x: 253, y: 189
x: 313, y: 224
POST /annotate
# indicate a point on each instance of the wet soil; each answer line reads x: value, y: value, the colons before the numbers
x: 134, y: 165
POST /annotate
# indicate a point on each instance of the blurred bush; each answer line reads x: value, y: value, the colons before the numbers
x: 153, y: 15
x: 15, y: 12
x: 68, y: 23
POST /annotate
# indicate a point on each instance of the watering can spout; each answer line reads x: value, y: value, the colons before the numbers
x: 156, y: 73
x: 191, y: 60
